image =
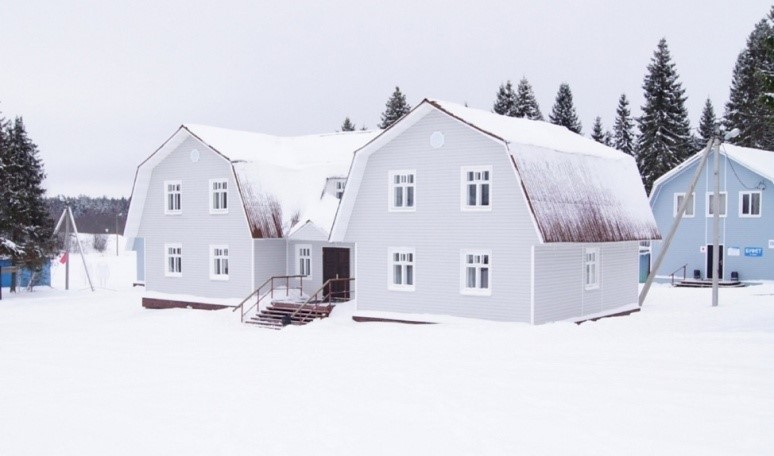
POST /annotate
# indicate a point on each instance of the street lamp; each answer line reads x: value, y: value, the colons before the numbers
x: 120, y: 214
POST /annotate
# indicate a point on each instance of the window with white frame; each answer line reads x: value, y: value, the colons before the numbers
x: 476, y: 188
x: 218, y: 196
x: 219, y: 262
x: 402, y: 191
x: 750, y: 204
x: 476, y: 272
x: 401, y: 269
x: 591, y: 268
x: 711, y: 204
x: 304, y: 260
x: 173, y: 197
x: 690, y: 209
x: 173, y: 260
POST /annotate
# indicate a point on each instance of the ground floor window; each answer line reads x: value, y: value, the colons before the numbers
x: 591, y: 268
x: 219, y: 262
x: 401, y: 269
x: 476, y: 272
x: 173, y: 260
x: 304, y: 260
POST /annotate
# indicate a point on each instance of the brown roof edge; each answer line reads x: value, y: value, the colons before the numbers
x: 526, y: 197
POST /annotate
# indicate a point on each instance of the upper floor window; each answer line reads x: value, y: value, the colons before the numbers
x: 591, y: 268
x: 711, y: 203
x: 401, y: 269
x: 173, y: 260
x: 476, y: 277
x: 173, y: 197
x: 402, y: 190
x: 750, y: 204
x: 304, y: 260
x: 218, y: 196
x: 219, y: 262
x: 690, y: 209
x: 476, y: 188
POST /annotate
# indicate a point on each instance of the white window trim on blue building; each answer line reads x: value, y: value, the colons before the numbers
x: 750, y: 194
x: 690, y: 209
x: 708, y: 204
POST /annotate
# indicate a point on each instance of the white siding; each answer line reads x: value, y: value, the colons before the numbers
x: 438, y: 229
x: 270, y: 258
x: 559, y: 283
x: 196, y: 229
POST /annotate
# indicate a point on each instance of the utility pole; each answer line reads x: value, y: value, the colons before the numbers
x: 716, y: 227
x: 713, y: 145
x: 120, y: 214
x: 67, y: 247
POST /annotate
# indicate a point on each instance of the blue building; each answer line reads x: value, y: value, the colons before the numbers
x: 42, y: 278
x: 746, y: 216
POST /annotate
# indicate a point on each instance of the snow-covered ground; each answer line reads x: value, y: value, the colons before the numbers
x: 93, y: 373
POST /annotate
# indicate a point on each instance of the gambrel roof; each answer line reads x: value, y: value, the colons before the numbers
x: 757, y: 160
x: 288, y: 171
x: 578, y: 190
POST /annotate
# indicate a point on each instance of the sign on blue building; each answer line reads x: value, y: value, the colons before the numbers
x: 753, y: 251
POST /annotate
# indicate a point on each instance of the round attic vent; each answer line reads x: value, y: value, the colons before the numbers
x: 194, y: 156
x: 437, y: 140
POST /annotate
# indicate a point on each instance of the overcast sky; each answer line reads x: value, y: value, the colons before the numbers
x: 102, y: 84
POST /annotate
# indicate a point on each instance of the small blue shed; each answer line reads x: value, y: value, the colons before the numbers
x: 746, y: 216
x: 42, y: 278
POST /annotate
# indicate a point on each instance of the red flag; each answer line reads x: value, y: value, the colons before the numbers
x: 63, y: 260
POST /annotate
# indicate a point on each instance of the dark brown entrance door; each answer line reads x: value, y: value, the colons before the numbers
x: 710, y: 253
x: 336, y: 266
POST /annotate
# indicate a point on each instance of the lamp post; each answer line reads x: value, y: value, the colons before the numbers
x: 120, y: 214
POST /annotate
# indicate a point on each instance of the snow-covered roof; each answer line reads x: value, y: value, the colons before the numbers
x: 578, y: 189
x: 287, y: 172
x: 757, y: 160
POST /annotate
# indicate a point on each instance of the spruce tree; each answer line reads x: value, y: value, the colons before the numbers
x: 707, y: 123
x: 665, y: 133
x: 598, y: 132
x: 29, y: 225
x: 563, y: 112
x: 623, y: 127
x: 526, y: 104
x: 747, y: 109
x: 347, y: 125
x: 505, y: 103
x: 768, y: 72
x: 395, y: 108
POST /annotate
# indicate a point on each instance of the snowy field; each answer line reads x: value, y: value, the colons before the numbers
x: 85, y: 373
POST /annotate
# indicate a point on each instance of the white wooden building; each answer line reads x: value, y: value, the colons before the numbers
x: 215, y: 212
x: 460, y: 212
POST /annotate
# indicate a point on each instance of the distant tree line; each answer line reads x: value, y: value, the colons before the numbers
x: 664, y: 137
x: 92, y: 215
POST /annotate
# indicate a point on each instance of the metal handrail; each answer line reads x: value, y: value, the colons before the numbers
x: 257, y: 291
x: 319, y: 290
x: 683, y: 267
